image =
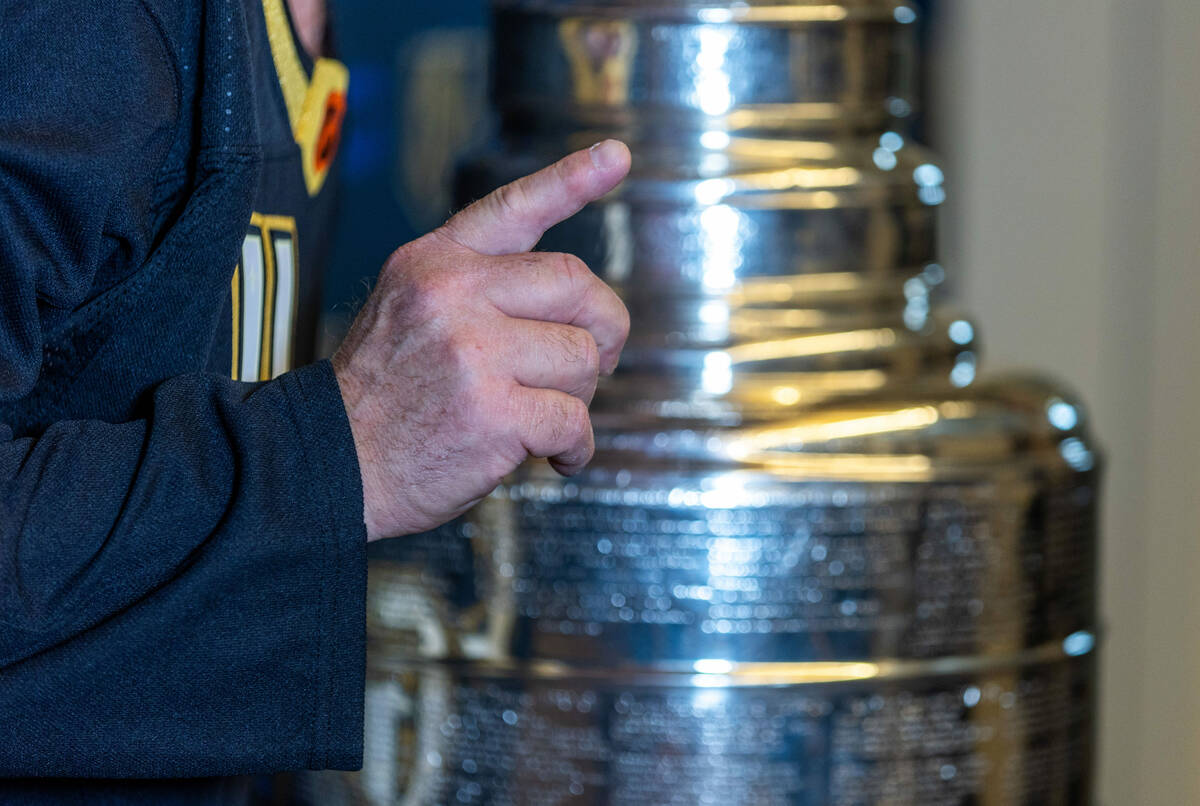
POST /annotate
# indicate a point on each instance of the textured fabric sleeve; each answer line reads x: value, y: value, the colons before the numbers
x: 90, y: 97
x: 185, y: 595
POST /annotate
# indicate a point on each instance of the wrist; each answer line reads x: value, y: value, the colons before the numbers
x: 361, y: 417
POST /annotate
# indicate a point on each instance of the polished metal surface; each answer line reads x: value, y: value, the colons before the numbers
x: 818, y: 256
x: 814, y: 736
x: 891, y: 527
x: 650, y: 69
x: 699, y: 220
x: 816, y: 559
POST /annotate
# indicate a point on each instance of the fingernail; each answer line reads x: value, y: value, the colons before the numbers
x: 606, y: 154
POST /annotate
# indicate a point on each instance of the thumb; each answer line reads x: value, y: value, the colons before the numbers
x: 513, y: 218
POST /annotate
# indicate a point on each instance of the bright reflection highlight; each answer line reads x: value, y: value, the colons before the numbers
x: 929, y: 180
x: 786, y: 395
x: 928, y: 174
x: 717, y: 15
x: 715, y: 163
x: 720, y: 235
x: 849, y: 341
x: 891, y: 141
x: 905, y: 15
x: 729, y: 492
x: 783, y: 149
x: 1076, y: 454
x: 1079, y: 643
x: 884, y: 159
x: 711, y: 191
x: 761, y: 674
x: 804, y: 178
x: 932, y: 196
x: 916, y: 313
x: 708, y: 700
x: 916, y: 310
x: 712, y: 666
x: 964, y: 370
x: 714, y: 313
x: 717, y: 376
x: 961, y: 332
x: 715, y: 140
x: 773, y: 438
x: 788, y: 13
x: 713, y: 95
x: 1062, y: 415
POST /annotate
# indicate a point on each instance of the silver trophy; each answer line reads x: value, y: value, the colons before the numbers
x: 815, y: 560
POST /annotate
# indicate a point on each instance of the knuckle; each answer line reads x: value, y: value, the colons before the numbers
x: 515, y: 410
x: 566, y: 426
x: 574, y: 270
x: 439, y: 289
x: 554, y: 421
x: 480, y: 407
x: 577, y: 424
x: 581, y: 283
x: 401, y: 266
x: 508, y: 200
x: 572, y: 176
x: 588, y: 353
x: 578, y: 349
x: 426, y: 287
x: 622, y: 319
x: 398, y: 261
x: 466, y: 351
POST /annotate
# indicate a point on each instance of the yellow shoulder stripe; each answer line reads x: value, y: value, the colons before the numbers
x: 307, y: 101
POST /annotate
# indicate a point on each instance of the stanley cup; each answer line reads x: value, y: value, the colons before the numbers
x: 816, y: 560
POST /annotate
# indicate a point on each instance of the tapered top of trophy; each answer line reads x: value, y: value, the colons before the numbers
x: 640, y: 66
x: 716, y: 11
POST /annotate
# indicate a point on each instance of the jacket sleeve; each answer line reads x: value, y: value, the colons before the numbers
x: 185, y: 595
x: 180, y: 594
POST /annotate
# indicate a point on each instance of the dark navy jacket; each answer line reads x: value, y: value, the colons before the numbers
x: 182, y: 555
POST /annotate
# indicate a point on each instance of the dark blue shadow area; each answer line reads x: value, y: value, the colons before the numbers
x: 372, y: 37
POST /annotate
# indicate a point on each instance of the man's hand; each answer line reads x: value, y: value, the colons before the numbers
x: 473, y: 353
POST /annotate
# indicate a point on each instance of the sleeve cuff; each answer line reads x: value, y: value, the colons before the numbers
x: 316, y: 408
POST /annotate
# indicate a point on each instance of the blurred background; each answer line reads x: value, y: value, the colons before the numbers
x: 1070, y: 134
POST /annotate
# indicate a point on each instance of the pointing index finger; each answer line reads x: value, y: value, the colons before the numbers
x: 513, y: 218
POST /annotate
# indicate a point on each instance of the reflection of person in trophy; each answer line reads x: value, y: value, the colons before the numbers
x: 184, y: 552
x: 600, y: 53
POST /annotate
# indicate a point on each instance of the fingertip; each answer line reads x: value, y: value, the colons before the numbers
x: 611, y: 357
x: 612, y: 159
x: 609, y: 155
x: 608, y: 361
x: 567, y: 469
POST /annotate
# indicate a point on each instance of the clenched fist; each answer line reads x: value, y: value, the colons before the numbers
x: 474, y: 353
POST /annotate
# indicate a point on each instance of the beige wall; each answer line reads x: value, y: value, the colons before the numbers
x: 1071, y: 134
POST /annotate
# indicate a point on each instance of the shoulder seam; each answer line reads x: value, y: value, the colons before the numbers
x: 169, y: 52
x: 172, y: 62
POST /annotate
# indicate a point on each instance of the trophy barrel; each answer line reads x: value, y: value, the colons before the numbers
x: 469, y: 734
x: 880, y: 599
x: 815, y: 561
